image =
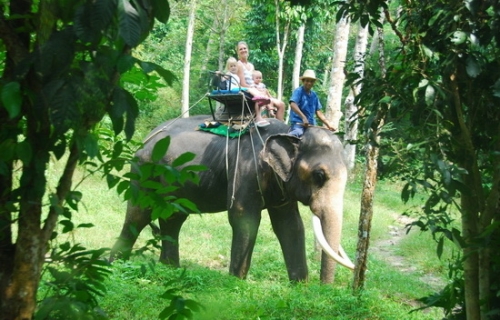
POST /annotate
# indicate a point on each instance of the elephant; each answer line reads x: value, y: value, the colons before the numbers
x: 263, y: 169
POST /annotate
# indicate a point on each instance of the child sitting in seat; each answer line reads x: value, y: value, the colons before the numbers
x: 275, y: 107
x: 230, y: 76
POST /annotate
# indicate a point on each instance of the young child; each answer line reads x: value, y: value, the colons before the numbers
x: 275, y: 106
x: 232, y: 70
x: 229, y: 76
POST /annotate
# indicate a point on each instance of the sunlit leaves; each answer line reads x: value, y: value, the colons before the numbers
x: 458, y: 37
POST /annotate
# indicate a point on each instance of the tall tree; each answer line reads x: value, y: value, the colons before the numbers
x: 281, y: 43
x: 187, y: 60
x: 60, y: 77
x: 337, y: 75
x: 372, y: 148
x: 351, y: 109
x: 299, y: 45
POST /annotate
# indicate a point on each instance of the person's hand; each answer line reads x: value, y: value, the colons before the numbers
x: 305, y: 123
x: 329, y: 127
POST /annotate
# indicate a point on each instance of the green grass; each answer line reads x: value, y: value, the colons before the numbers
x: 135, y: 286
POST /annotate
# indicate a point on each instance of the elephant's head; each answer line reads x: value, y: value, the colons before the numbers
x: 314, y: 172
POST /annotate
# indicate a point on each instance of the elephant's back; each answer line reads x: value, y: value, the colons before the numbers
x: 189, y: 127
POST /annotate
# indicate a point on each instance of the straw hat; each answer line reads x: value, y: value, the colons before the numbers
x: 308, y: 74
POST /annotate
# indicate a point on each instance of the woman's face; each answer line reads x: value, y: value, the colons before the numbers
x: 242, y: 50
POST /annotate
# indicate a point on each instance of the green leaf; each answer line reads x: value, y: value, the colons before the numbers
x: 23, y: 151
x: 64, y: 112
x: 122, y: 186
x: 167, y: 312
x: 150, y: 184
x: 129, y: 23
x: 103, y: 13
x: 117, y: 109
x: 187, y: 204
x: 458, y: 37
x: 11, y: 98
x: 7, y: 150
x: 427, y: 51
x: 125, y: 64
x: 183, y: 158
x: 167, y: 75
x: 195, y: 306
x: 91, y: 145
x: 73, y: 198
x: 132, y: 113
x: 496, y: 89
x: 160, y: 149
x: 440, y: 247
x: 430, y: 95
x: 472, y: 67
x: 161, y: 10
x: 112, y: 180
x: 59, y: 148
x: 68, y: 226
x: 85, y: 225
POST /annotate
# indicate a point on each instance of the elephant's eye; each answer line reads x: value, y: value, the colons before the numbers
x: 319, y: 177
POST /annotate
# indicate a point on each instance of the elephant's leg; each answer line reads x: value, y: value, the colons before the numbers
x: 288, y: 227
x: 135, y: 220
x: 245, y: 227
x: 170, y: 229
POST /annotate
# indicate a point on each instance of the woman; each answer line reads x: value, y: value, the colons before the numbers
x: 245, y: 73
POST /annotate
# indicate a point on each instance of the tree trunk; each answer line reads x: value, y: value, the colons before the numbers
x: 208, y: 54
x: 351, y: 119
x: 297, y: 63
x: 224, y: 26
x: 281, y: 47
x: 471, y: 203
x: 366, y: 211
x: 337, y: 76
x: 21, y: 279
x: 187, y: 60
x: 298, y: 56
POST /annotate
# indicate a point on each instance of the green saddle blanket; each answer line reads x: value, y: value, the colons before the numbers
x: 224, y: 130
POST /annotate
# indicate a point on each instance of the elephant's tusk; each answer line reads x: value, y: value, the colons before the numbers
x: 318, y: 232
x: 344, y: 255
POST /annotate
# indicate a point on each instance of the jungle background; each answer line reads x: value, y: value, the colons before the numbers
x: 83, y: 82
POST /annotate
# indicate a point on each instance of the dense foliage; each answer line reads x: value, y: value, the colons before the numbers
x: 441, y: 87
x: 61, y: 76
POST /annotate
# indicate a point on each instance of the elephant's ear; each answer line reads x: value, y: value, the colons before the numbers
x: 280, y: 152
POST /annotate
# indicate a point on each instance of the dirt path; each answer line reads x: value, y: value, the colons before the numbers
x: 386, y: 250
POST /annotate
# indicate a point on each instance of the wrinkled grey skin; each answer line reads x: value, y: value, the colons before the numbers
x: 310, y: 170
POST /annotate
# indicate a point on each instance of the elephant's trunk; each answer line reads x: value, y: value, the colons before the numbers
x: 341, y: 258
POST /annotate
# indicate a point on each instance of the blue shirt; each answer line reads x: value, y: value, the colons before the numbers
x: 308, y: 104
